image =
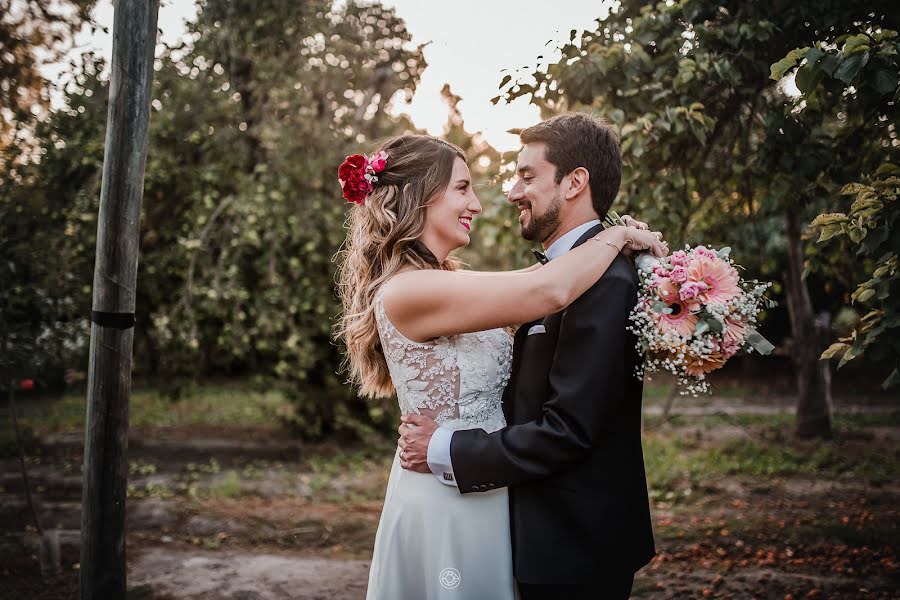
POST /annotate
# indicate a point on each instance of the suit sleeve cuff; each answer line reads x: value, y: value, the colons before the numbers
x: 439, y: 456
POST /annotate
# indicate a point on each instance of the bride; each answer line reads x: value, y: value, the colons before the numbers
x: 417, y: 325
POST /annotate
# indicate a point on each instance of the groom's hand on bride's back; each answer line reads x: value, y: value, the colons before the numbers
x: 415, y: 434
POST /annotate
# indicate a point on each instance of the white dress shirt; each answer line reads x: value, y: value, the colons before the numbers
x: 439, y: 447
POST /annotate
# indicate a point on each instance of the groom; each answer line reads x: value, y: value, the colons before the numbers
x: 571, y: 453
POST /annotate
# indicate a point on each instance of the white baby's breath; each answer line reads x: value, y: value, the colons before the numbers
x: 690, y: 357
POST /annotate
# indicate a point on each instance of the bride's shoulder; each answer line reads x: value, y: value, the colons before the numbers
x: 395, y: 292
x: 394, y: 284
x: 410, y: 292
x: 411, y: 283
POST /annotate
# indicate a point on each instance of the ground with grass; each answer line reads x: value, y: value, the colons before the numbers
x: 224, y: 504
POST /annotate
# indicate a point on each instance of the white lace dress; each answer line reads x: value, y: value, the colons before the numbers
x: 433, y: 542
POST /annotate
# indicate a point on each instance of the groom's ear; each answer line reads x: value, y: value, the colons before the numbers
x: 575, y: 183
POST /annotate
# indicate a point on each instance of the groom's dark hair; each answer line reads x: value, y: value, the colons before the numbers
x: 580, y: 140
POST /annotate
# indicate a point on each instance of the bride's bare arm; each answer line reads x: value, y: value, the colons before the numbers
x: 525, y: 270
x: 428, y: 303
x: 628, y: 220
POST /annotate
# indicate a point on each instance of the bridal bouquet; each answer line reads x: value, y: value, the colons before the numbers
x: 694, y: 312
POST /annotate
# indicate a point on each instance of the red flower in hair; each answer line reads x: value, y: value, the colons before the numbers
x: 357, y: 175
x: 351, y: 174
x: 353, y: 165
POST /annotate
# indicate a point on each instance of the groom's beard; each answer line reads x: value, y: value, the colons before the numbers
x: 539, y: 228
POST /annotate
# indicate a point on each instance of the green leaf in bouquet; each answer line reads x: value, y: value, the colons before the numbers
x: 612, y: 220
x: 660, y: 307
x: 758, y: 342
x: 724, y: 252
x: 701, y: 328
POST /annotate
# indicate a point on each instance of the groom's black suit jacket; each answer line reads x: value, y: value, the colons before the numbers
x: 571, y: 454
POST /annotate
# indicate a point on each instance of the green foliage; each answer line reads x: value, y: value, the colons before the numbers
x: 496, y: 245
x: 714, y: 150
x: 32, y: 34
x: 686, y: 86
x: 679, y: 465
x: 871, y: 225
x: 242, y: 214
x: 36, y: 329
x: 232, y: 404
x: 262, y: 110
x: 849, y: 92
x: 227, y: 486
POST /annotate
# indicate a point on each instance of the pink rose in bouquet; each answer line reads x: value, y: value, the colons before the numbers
x: 694, y: 313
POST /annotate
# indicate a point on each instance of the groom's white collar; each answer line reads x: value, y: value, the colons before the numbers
x: 565, y: 243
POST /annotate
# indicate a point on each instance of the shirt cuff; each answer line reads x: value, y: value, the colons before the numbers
x: 439, y: 456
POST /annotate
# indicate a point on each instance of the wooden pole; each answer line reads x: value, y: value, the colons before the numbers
x: 102, y: 571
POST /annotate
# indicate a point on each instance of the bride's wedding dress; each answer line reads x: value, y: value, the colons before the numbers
x: 433, y: 542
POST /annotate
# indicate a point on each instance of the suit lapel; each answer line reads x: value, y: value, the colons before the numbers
x: 588, y: 235
x: 509, y: 394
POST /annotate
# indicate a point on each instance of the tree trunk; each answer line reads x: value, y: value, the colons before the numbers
x: 810, y: 335
x: 102, y: 572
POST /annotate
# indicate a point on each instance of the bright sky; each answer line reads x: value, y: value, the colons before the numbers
x: 472, y: 41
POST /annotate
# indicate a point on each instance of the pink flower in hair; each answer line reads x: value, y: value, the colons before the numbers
x: 379, y: 161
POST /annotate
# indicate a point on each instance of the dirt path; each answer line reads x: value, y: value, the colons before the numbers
x: 238, y: 517
x: 233, y: 575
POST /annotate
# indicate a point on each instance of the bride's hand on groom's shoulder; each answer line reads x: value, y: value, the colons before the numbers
x: 415, y: 434
x: 651, y: 241
x: 632, y: 222
x: 643, y: 239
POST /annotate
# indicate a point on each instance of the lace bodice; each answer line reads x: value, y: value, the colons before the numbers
x: 457, y: 380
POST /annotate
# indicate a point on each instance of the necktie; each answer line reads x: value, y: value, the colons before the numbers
x: 542, y: 258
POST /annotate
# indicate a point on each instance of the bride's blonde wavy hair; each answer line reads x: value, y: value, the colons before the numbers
x: 383, y: 238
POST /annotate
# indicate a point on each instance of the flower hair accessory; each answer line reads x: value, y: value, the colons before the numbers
x: 358, y: 175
